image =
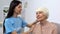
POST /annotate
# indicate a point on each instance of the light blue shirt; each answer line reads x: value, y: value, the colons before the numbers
x: 14, y: 24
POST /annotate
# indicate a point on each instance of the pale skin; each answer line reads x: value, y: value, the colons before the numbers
x: 42, y: 18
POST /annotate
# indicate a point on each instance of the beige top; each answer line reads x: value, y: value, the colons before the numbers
x: 48, y: 28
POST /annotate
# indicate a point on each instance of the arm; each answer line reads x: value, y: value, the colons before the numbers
x: 30, y: 25
x: 9, y: 27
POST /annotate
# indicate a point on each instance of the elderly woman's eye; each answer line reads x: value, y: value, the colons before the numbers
x: 36, y: 12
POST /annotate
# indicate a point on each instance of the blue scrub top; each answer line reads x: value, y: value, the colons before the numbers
x: 14, y: 24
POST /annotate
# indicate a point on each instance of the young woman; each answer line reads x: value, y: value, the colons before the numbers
x: 12, y: 23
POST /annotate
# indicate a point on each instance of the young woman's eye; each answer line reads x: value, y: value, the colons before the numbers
x: 19, y: 7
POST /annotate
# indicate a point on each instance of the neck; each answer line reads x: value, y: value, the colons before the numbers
x: 15, y: 15
x: 43, y: 22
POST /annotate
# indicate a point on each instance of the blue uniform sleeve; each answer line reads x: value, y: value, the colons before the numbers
x: 9, y: 26
x: 24, y: 23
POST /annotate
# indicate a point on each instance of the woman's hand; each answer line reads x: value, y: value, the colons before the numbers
x: 35, y: 22
x: 30, y: 25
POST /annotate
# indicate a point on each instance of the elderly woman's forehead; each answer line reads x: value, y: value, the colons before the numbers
x: 39, y: 12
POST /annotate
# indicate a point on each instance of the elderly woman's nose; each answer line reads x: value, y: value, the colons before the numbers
x: 39, y: 14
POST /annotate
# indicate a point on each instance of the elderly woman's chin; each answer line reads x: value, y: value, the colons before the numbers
x: 40, y: 19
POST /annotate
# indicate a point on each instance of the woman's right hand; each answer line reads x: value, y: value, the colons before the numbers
x: 35, y: 21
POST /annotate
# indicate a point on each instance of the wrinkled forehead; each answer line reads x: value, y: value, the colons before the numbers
x: 39, y: 11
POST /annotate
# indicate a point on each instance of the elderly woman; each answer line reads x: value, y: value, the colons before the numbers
x: 42, y: 26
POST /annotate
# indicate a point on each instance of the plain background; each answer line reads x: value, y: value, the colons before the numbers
x: 29, y: 13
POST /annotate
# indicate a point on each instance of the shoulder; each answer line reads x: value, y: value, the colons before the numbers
x: 9, y: 20
x: 52, y: 24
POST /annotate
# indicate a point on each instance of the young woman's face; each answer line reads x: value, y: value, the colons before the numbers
x: 18, y: 9
x: 40, y: 16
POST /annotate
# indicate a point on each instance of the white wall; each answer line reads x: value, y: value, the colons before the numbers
x: 52, y: 5
x: 2, y: 4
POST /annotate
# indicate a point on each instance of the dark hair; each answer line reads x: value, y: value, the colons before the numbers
x: 13, y: 4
